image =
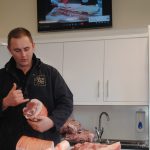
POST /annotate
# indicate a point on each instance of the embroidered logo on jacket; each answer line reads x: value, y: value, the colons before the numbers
x: 40, y: 80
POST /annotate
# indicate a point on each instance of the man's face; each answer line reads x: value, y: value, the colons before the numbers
x: 22, y: 51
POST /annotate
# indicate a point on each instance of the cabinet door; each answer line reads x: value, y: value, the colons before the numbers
x: 4, y: 55
x: 51, y: 53
x: 83, y: 70
x: 126, y: 70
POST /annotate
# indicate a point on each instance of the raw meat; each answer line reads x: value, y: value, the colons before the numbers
x: 81, y: 136
x: 33, y: 109
x: 64, y: 145
x: 31, y: 143
x: 73, y: 132
x: 97, y: 146
x: 71, y: 126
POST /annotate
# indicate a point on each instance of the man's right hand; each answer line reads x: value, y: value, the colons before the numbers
x: 14, y: 97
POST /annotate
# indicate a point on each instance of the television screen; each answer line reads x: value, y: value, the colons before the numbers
x: 73, y: 14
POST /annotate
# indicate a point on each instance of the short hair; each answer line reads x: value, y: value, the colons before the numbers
x: 18, y: 33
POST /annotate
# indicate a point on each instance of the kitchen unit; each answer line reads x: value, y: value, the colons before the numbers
x: 83, y: 70
x: 109, y: 71
x: 125, y: 73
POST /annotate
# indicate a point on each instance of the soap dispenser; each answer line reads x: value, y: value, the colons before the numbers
x: 140, y: 120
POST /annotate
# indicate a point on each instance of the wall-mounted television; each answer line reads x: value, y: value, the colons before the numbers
x: 55, y: 15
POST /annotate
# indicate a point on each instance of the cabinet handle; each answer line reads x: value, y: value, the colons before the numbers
x: 98, y: 88
x: 107, y: 85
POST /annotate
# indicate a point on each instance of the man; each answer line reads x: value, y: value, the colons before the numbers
x: 24, y: 78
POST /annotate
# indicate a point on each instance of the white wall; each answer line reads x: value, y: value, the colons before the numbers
x: 126, y: 14
x: 122, y: 124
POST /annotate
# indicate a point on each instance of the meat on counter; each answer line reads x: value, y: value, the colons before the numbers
x: 75, y: 133
x: 71, y: 126
x: 97, y: 146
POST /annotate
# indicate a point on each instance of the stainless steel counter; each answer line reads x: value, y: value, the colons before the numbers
x: 129, y: 144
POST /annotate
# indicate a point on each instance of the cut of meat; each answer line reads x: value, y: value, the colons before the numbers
x: 31, y: 143
x: 74, y: 133
x: 81, y: 136
x: 33, y: 109
x: 68, y: 11
x: 64, y: 145
x: 71, y: 126
x: 97, y: 146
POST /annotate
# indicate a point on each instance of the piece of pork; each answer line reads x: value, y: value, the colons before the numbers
x: 71, y: 126
x: 33, y: 109
x: 73, y: 132
x: 81, y: 136
x: 63, y: 145
x: 97, y: 146
x: 31, y: 143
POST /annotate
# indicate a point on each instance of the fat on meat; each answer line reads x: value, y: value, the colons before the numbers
x: 33, y: 109
x: 71, y: 126
x: 63, y: 145
x: 74, y: 132
x: 32, y: 143
x: 81, y: 136
x: 97, y: 146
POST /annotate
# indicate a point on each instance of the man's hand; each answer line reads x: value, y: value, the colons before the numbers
x: 43, y: 124
x: 14, y: 97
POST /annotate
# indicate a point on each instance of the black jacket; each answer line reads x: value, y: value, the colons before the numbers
x: 42, y: 82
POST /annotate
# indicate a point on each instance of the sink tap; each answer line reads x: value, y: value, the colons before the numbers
x: 100, y: 129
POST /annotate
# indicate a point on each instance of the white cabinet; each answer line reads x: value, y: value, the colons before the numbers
x: 50, y: 53
x: 107, y: 72
x: 83, y: 70
x: 126, y: 71
x: 4, y: 55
